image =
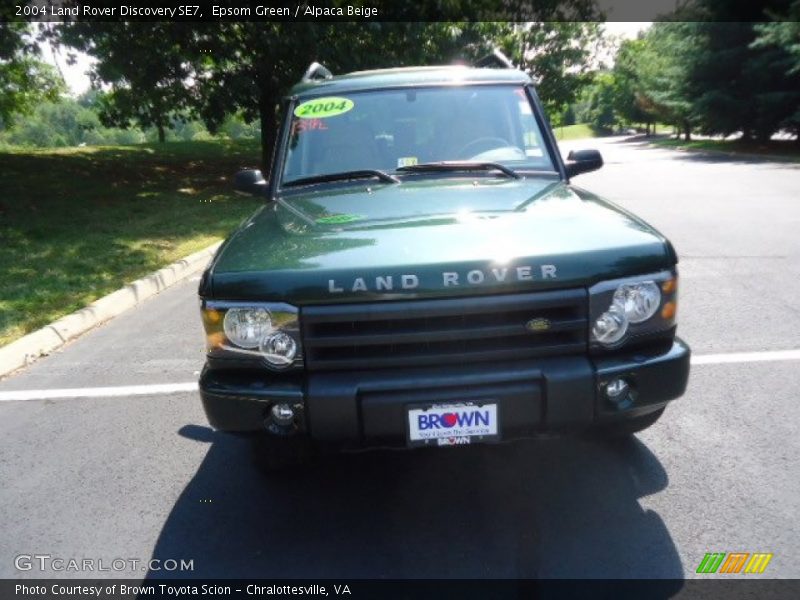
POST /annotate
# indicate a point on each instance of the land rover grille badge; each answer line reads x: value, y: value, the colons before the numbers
x: 538, y: 324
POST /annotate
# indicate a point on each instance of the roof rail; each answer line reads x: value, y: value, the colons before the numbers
x: 316, y: 71
x: 495, y: 59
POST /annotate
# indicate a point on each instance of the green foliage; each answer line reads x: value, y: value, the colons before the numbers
x: 630, y: 100
x: 782, y: 34
x: 75, y: 122
x: 780, y: 41
x: 568, y: 116
x: 735, y: 83
x: 715, y: 71
x: 578, y: 131
x: 65, y: 123
x: 664, y: 67
x: 598, y: 104
x: 145, y: 67
x: 24, y: 80
x: 557, y: 56
x: 236, y: 128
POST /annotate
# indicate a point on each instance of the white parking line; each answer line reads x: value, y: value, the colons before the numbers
x: 100, y: 392
x: 179, y: 388
x: 746, y: 357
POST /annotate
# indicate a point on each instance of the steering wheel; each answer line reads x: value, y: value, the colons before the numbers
x: 490, y: 143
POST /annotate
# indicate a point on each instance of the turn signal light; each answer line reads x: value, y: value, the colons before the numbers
x: 668, y: 312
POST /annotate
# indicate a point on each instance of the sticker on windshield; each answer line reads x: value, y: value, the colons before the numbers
x: 308, y: 125
x: 406, y: 161
x: 322, y: 108
x: 338, y: 219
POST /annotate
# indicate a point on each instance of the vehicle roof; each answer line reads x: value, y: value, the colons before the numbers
x: 407, y: 77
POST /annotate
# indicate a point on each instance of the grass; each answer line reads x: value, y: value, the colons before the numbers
x: 783, y: 149
x: 574, y: 132
x: 79, y: 223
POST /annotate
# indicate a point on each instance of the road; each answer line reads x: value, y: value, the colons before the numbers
x: 142, y: 476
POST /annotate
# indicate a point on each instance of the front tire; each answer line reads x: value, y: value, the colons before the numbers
x: 274, y: 454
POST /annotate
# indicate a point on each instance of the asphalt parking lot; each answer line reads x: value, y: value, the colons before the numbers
x: 130, y: 475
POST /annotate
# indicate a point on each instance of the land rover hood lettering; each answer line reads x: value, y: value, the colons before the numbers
x: 428, y: 239
x: 410, y: 281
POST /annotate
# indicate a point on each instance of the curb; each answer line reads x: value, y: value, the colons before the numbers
x: 27, y: 349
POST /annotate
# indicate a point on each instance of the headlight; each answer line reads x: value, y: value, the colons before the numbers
x: 639, y: 301
x: 247, y: 334
x: 246, y: 327
x: 279, y: 349
x: 631, y: 308
x: 611, y: 326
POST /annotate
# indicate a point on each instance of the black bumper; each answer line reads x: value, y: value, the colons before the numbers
x: 367, y: 408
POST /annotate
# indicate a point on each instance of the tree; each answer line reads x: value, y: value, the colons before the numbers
x: 598, y: 100
x: 66, y: 122
x: 568, y: 116
x: 717, y: 70
x: 666, y: 73
x: 54, y: 124
x: 783, y: 34
x: 630, y: 100
x: 145, y: 66
x: 722, y: 84
x: 24, y: 80
x: 782, y: 39
x: 557, y: 55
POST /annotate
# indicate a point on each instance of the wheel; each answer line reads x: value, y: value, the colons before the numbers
x: 628, y: 426
x: 274, y: 454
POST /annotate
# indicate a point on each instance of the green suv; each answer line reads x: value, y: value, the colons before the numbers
x: 422, y: 273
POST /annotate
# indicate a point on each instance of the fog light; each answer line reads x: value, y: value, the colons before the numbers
x: 617, y: 390
x: 282, y: 414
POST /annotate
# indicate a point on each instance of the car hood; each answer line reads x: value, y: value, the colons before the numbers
x: 428, y: 237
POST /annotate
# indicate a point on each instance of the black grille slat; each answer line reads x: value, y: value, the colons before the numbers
x: 446, y: 359
x: 435, y: 334
x: 452, y: 330
x: 410, y: 322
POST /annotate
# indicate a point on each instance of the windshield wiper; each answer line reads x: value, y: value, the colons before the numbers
x: 343, y: 176
x: 460, y: 165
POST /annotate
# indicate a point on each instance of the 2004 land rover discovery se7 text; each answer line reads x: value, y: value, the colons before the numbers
x: 422, y: 273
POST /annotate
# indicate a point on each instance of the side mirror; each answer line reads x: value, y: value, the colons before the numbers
x: 250, y: 182
x: 583, y: 161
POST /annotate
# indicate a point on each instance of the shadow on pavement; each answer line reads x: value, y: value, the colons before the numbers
x: 641, y: 138
x: 708, y: 156
x: 552, y: 508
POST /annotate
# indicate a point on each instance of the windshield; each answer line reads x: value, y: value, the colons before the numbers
x: 390, y: 129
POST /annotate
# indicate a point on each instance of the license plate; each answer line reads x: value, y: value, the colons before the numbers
x: 452, y: 424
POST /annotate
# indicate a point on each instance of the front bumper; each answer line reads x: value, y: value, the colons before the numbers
x: 367, y: 408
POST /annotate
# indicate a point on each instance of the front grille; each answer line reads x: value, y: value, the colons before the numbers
x: 453, y: 330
